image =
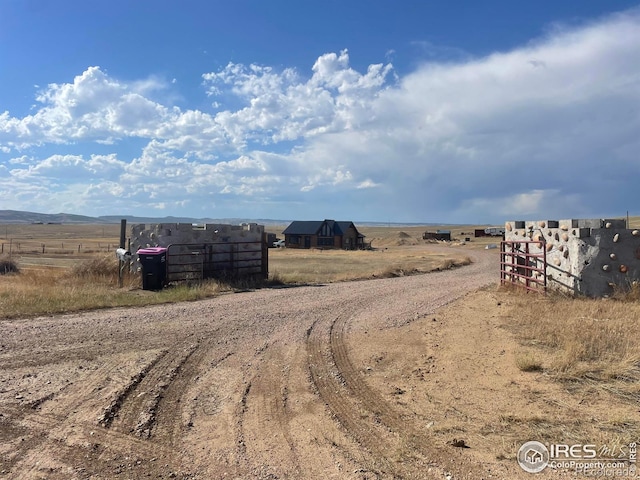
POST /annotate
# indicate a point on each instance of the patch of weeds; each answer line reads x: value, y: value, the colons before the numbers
x: 528, y: 363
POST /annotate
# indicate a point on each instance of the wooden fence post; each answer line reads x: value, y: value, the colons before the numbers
x: 123, y: 239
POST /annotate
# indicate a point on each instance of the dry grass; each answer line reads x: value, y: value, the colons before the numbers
x: 90, y: 284
x: 397, y: 251
x: 591, y: 347
x: 324, y: 266
x: 528, y: 362
x: 58, y: 240
x: 588, y: 341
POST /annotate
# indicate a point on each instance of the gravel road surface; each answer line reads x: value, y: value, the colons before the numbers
x: 259, y: 384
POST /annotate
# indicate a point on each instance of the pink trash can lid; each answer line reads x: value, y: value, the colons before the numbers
x: 152, y: 251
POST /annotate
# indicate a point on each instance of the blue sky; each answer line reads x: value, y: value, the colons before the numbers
x: 414, y: 111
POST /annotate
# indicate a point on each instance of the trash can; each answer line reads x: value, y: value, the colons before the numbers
x: 154, y: 267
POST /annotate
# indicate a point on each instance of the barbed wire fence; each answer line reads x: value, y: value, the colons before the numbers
x: 21, y: 247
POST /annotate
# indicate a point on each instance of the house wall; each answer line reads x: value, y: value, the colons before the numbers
x: 337, y: 242
x: 229, y: 246
x: 350, y: 239
x: 585, y: 256
x: 313, y: 239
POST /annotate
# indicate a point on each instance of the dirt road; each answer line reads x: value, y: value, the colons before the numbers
x: 275, y: 383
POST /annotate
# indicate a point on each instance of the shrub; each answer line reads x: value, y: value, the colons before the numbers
x: 528, y: 363
x: 7, y: 265
x: 98, y: 267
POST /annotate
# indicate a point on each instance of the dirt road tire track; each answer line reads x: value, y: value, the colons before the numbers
x: 138, y: 409
x: 266, y: 410
x: 346, y: 409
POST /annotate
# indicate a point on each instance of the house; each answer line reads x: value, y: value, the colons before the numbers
x: 323, y: 234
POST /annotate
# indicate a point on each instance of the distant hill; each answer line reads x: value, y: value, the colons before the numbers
x: 15, y: 216
x: 231, y: 221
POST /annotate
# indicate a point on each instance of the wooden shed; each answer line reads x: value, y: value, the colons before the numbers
x: 437, y: 235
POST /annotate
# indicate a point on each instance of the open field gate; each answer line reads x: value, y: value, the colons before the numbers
x: 187, y: 261
x: 522, y: 268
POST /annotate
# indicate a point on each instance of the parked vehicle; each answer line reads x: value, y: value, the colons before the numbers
x: 278, y: 244
x: 494, y: 231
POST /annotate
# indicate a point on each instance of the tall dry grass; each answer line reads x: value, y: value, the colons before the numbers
x: 592, y: 341
x: 90, y: 284
x: 592, y: 348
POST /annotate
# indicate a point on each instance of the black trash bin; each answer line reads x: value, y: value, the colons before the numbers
x: 154, y: 267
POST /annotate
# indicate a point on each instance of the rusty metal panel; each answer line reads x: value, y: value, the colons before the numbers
x: 188, y: 261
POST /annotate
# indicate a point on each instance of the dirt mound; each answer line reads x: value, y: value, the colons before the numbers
x: 405, y: 241
x: 397, y: 240
x: 403, y: 238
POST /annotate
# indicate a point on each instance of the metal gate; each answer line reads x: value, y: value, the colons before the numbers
x: 186, y: 261
x: 520, y: 267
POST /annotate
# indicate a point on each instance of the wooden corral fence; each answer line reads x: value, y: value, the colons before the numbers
x: 216, y: 260
x: 520, y: 267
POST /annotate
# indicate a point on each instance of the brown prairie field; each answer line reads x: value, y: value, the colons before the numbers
x: 401, y: 374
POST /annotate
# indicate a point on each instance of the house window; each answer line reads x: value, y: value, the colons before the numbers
x: 294, y: 239
x: 325, y: 241
x: 326, y: 231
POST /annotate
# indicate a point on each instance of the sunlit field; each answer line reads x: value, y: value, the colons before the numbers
x: 78, y: 269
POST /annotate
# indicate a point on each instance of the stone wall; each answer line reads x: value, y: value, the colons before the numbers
x: 591, y: 257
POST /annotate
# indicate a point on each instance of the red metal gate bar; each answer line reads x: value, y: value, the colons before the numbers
x: 518, y: 264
